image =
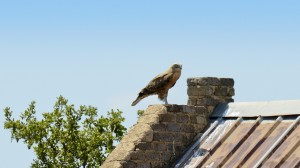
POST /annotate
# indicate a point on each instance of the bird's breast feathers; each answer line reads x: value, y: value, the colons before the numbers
x: 175, y: 76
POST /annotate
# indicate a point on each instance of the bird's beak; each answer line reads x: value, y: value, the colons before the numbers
x: 180, y: 66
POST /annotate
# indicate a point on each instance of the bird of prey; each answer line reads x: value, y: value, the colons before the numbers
x: 161, y: 84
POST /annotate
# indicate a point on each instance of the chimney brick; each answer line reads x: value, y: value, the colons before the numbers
x: 209, y: 91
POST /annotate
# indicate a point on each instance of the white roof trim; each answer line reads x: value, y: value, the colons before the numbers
x: 254, y: 109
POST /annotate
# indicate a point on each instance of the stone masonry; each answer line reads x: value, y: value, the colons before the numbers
x: 164, y: 132
x: 160, y: 136
x: 209, y: 91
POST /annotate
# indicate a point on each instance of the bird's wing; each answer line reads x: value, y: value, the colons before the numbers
x: 159, y: 82
x: 156, y: 85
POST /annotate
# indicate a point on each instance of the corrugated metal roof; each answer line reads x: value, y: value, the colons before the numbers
x: 247, y: 142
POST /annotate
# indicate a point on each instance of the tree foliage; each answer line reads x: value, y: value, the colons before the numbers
x: 67, y: 137
x: 140, y: 113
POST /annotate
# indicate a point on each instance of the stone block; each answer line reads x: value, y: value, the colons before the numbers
x: 174, y: 108
x: 193, y: 119
x: 192, y: 81
x: 171, y: 147
x: 152, y: 156
x: 130, y: 146
x: 167, y: 118
x: 144, y: 165
x: 155, y: 109
x: 205, y: 91
x: 221, y: 91
x: 192, y: 91
x: 148, y: 119
x: 182, y: 118
x: 188, y: 128
x: 227, y: 82
x: 231, y: 91
x: 159, y: 146
x: 192, y: 101
x: 166, y: 157
x: 177, y: 148
x: 128, y: 164
x: 200, y: 127
x: 188, y: 138
x: 157, y: 164
x: 140, y: 132
x: 207, y: 101
x: 189, y: 109
x: 200, y: 90
x: 144, y: 146
x: 158, y: 127
x: 121, y: 152
x: 201, y: 110
x: 173, y: 127
x: 138, y: 155
x: 147, y: 137
x: 205, y: 81
x: 178, y: 137
x: 202, y: 120
x: 163, y: 136
x: 114, y: 164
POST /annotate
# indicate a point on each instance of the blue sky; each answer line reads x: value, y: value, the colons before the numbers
x: 102, y: 53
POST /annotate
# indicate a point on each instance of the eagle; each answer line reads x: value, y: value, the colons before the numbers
x: 161, y: 84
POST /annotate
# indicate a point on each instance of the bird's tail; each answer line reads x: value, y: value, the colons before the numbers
x: 143, y: 93
x: 138, y: 99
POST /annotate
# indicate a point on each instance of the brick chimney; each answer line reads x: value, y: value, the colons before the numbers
x: 209, y: 91
x: 164, y: 132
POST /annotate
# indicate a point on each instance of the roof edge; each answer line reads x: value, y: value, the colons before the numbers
x: 254, y: 109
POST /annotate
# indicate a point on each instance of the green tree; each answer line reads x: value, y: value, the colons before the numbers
x: 140, y: 113
x: 67, y: 137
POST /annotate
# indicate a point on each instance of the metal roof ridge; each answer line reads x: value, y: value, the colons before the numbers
x: 255, y: 109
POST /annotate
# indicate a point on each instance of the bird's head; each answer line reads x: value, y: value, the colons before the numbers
x: 176, y: 67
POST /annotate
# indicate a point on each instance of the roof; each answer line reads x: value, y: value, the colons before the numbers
x: 254, y: 109
x: 249, y: 135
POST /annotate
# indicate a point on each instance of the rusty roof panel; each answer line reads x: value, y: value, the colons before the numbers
x: 285, y: 150
x: 266, y: 144
x: 229, y: 145
x: 293, y: 160
x: 217, y: 135
x: 249, y: 142
x: 209, y: 143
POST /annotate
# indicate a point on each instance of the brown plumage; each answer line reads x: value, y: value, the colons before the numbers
x: 161, y: 84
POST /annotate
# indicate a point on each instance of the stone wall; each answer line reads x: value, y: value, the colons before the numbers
x: 209, y: 91
x: 160, y: 136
